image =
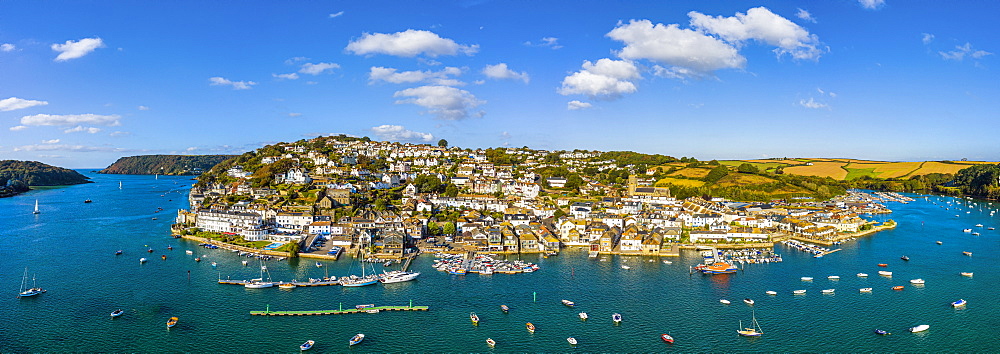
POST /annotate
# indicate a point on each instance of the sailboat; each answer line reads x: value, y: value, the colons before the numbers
x: 119, y: 184
x: 34, y: 290
x: 752, y: 331
x: 363, y: 280
x: 36, y: 208
x: 259, y: 283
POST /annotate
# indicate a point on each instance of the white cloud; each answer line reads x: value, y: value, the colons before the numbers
x: 400, y: 133
x: 143, y: 108
x: 293, y: 115
x: 871, y: 4
x: 69, y: 120
x: 18, y: 128
x: 237, y: 85
x: 927, y: 38
x: 338, y: 14
x: 7, y: 47
x: 318, y: 68
x: 805, y: 16
x: 81, y: 128
x: 73, y: 50
x: 761, y: 24
x: 392, y: 75
x: 409, y: 43
x: 811, y: 103
x: 290, y: 76
x: 822, y: 92
x: 963, y: 50
x: 76, y: 148
x: 53, y: 141
x: 575, y: 105
x: 120, y: 133
x: 608, y: 79
x: 10, y: 104
x: 190, y: 149
x: 445, y: 102
x: 671, y: 45
x: 500, y: 71
x: 293, y: 60
x: 505, y: 135
x: 551, y: 42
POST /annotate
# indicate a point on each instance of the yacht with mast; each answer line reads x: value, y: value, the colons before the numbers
x: 752, y: 331
x: 26, y: 292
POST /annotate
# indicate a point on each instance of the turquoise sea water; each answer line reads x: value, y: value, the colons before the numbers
x: 70, y: 248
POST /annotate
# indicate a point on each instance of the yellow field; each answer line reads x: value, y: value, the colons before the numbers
x: 679, y: 182
x: 820, y: 169
x: 741, y: 179
x: 692, y: 172
x: 896, y: 169
x: 938, y: 167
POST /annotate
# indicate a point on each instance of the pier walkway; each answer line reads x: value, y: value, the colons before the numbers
x: 339, y: 312
x: 297, y: 283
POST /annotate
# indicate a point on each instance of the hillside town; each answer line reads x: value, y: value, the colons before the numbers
x: 391, y: 199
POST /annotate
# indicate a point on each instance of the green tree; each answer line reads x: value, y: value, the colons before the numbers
x: 449, y: 228
x: 748, y: 168
x: 443, y: 143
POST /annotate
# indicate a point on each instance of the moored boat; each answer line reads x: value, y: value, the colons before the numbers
x: 771, y: 292
x: 967, y: 253
x: 905, y: 258
x: 307, y: 345
x: 916, y: 281
x: 568, y: 303
x: 752, y: 331
x: 117, y: 313
x: 286, y: 286
x: 724, y: 301
x: 474, y: 318
x: 966, y: 274
x: 799, y: 292
x: 571, y: 340
x: 881, y: 332
x: 828, y: 291
x: 919, y: 328
x: 142, y: 260
x: 172, y: 322
x: 667, y: 338
x: 883, y: 265
x: 530, y: 327
x: 357, y: 338
x: 583, y: 316
x: 898, y: 287
x: 866, y: 290
x: 959, y: 303
x: 716, y: 268
x: 807, y: 278
x: 748, y: 301
x: 397, y: 276
x: 833, y: 277
x: 504, y: 308
x: 862, y: 275
x: 118, y: 252
x: 939, y: 242
x: 490, y: 342
x: 885, y: 273
x: 616, y: 317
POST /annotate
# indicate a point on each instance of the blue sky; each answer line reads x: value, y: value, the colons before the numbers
x: 83, y: 83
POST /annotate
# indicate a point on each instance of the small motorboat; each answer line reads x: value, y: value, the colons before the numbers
x: 977, y: 225
x: 898, y: 287
x: 163, y: 257
x: 905, y: 258
x: 919, y: 328
x: 807, y: 278
x: 357, y: 338
x: 885, y: 273
x: 967, y: 253
x: 583, y: 316
x: 377, y: 311
x: 213, y: 263
x: 188, y: 252
x: 724, y: 301
x: 307, y: 345
x: 504, y: 308
x: 669, y: 262
x: 966, y: 274
x: 117, y: 313
x: 833, y: 277
x: 142, y: 260
x: 88, y: 201
x: 474, y: 318
x: 866, y: 290
x: 862, y: 275
x: 959, y: 303
x: 530, y: 327
x: 571, y: 340
x: 490, y: 342
x: 149, y: 250
x: 118, y: 252
x: 799, y: 292
x: 828, y: 291
x: 771, y: 292
x: 748, y: 301
x: 568, y: 303
x: 883, y: 265
x: 881, y: 332
x: 172, y: 322
x: 617, y: 318
x: 286, y: 286
x: 626, y: 267
x: 917, y: 281
x: 667, y: 338
x: 939, y: 242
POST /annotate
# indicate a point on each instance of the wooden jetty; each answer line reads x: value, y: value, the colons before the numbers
x: 297, y: 283
x: 268, y: 312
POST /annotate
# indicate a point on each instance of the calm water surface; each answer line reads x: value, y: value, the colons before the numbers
x: 70, y: 246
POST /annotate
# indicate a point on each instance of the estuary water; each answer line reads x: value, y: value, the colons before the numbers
x: 69, y: 249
